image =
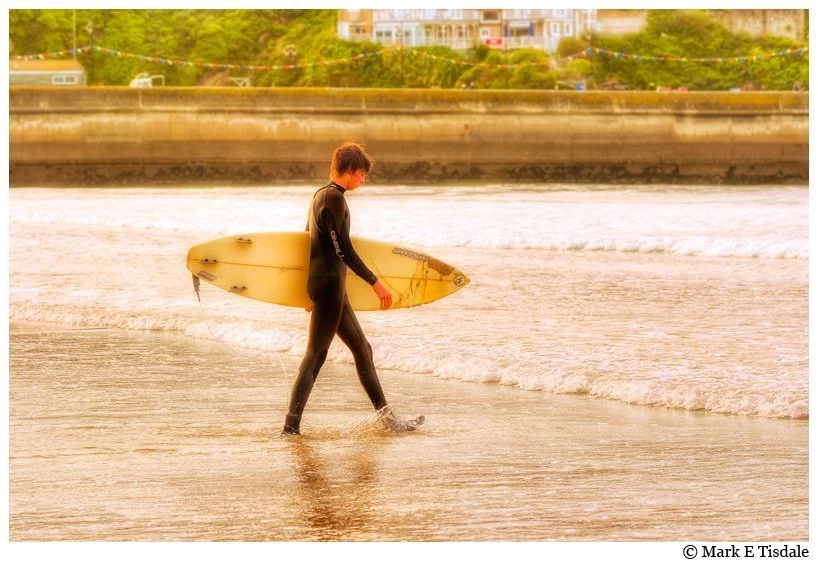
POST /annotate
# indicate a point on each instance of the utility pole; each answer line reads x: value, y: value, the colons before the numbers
x: 503, y: 39
x: 90, y: 29
x: 401, y: 53
x: 589, y: 37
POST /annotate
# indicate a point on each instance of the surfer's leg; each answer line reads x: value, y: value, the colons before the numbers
x: 323, y: 324
x: 349, y: 330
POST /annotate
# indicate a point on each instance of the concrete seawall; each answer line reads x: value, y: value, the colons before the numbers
x: 102, y: 136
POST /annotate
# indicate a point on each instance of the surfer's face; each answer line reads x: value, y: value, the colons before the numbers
x: 356, y: 179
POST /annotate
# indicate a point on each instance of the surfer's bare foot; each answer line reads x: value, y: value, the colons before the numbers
x: 396, y: 424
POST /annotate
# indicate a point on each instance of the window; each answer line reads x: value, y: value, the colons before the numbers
x: 485, y: 32
x: 568, y: 30
x: 555, y: 29
x: 559, y: 13
x: 64, y: 79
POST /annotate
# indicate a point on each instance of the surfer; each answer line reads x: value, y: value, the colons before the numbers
x: 331, y: 252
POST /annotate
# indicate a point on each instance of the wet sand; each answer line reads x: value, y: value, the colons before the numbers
x: 133, y: 435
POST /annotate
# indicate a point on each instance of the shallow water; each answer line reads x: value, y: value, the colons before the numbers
x: 119, y: 435
x: 626, y: 364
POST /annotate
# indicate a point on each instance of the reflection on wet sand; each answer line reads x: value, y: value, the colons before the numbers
x: 337, y: 507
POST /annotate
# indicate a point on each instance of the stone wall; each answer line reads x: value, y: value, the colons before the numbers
x: 118, y: 136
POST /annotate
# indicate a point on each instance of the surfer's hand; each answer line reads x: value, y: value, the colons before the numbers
x: 383, y: 295
x: 308, y: 307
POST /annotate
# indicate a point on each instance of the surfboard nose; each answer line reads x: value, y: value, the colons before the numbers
x: 460, y: 280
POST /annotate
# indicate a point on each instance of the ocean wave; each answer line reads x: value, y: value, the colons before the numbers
x: 453, y: 237
x: 705, y: 247
x: 748, y: 223
x: 768, y: 399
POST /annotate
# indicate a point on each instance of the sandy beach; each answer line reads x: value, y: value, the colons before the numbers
x: 174, y: 438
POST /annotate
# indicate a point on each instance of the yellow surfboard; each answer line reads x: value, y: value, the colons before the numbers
x: 272, y: 267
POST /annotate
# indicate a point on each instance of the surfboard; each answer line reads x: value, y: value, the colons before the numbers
x: 272, y: 267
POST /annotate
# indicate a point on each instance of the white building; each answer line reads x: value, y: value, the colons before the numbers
x: 463, y: 28
x: 49, y: 72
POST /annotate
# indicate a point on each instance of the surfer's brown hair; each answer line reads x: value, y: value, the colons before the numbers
x: 350, y: 157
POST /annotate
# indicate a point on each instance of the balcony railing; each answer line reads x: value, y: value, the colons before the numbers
x: 546, y: 14
x: 525, y: 41
x: 425, y: 15
x: 457, y: 15
x: 428, y: 42
x: 523, y: 14
x: 464, y: 43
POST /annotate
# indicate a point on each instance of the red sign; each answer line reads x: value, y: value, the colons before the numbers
x: 494, y: 41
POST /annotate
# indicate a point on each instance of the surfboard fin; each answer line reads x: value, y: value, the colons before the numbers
x: 196, y: 288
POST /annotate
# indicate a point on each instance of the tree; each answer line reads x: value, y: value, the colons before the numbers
x: 571, y: 46
x: 693, y: 34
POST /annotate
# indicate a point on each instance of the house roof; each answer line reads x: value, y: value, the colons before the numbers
x: 48, y: 65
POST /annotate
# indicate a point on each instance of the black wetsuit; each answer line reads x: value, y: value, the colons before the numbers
x: 331, y: 253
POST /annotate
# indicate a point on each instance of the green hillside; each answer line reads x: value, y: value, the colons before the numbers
x: 259, y: 37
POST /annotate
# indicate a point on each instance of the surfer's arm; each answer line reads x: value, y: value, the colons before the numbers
x: 334, y: 215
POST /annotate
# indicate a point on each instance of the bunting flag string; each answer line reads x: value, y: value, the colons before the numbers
x: 197, y: 64
x: 52, y: 55
x: 417, y: 52
x: 738, y: 59
x: 590, y: 51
